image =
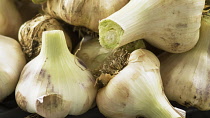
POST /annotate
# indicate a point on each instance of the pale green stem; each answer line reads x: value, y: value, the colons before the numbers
x: 53, y: 44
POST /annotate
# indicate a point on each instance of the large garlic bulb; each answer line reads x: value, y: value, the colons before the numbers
x: 55, y: 83
x: 10, y: 19
x: 186, y: 76
x: 170, y: 25
x: 30, y: 34
x: 82, y: 12
x: 12, y: 61
x: 136, y: 90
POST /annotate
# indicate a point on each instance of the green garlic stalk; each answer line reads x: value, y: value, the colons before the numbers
x: 12, y: 61
x: 55, y: 83
x: 170, y: 25
x: 136, y: 91
x: 186, y: 75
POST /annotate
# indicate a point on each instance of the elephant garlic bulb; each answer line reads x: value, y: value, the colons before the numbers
x: 55, y: 83
x: 186, y: 75
x: 30, y: 34
x: 136, y: 90
x: 170, y: 25
x: 12, y: 61
x: 10, y: 19
x: 82, y: 12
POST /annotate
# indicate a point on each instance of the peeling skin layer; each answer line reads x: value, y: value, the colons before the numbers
x: 21, y: 101
x: 52, y: 106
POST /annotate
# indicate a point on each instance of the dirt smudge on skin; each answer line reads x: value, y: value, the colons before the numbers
x: 181, y: 25
x: 21, y: 100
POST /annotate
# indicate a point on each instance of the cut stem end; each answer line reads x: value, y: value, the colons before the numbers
x: 109, y: 34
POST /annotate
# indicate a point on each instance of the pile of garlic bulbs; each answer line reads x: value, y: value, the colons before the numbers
x: 54, y: 71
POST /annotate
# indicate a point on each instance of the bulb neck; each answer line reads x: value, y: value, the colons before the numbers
x: 53, y: 44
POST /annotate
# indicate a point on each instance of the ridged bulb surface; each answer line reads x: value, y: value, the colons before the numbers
x: 55, y: 83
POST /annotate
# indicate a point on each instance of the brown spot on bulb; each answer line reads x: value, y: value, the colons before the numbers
x: 42, y: 73
x: 186, y: 103
x: 21, y: 100
x: 175, y: 46
x: 181, y: 25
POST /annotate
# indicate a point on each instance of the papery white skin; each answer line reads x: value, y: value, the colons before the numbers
x: 136, y: 90
x: 57, y: 74
x: 12, y: 61
x: 186, y: 75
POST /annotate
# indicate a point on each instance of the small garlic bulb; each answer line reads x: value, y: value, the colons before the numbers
x: 12, y: 61
x: 10, y: 19
x: 55, y: 83
x: 30, y: 34
x: 82, y: 12
x: 136, y: 90
x: 186, y: 76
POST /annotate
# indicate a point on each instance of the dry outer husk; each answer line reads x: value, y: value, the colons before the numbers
x: 30, y: 34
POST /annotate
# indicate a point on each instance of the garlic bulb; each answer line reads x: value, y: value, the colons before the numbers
x: 186, y: 75
x: 12, y: 61
x: 30, y: 34
x: 55, y: 83
x: 101, y: 60
x: 82, y: 12
x: 10, y: 19
x: 170, y: 25
x: 136, y: 90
